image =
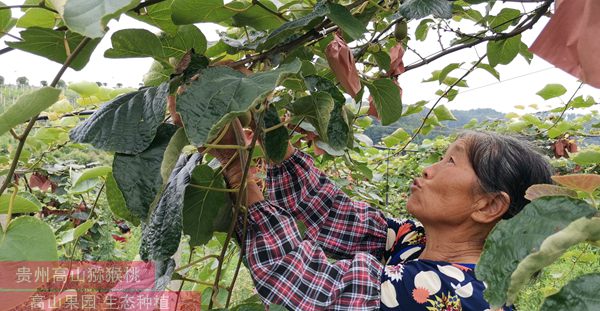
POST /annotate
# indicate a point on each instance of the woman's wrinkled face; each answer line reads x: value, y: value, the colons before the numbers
x: 447, y: 191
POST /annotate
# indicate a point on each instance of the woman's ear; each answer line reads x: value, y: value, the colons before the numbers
x: 491, y: 207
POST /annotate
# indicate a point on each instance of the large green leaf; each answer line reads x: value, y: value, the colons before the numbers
x: 386, y: 96
x: 161, y: 236
x: 157, y: 74
x: 581, y: 230
x: 27, y: 106
x: 89, y: 18
x: 6, y: 21
x: 222, y: 94
x: 348, y: 23
x: 204, y: 11
x: 205, y: 211
x: 286, y: 30
x: 116, y: 201
x: 415, y: 9
x: 24, y: 203
x: 275, y: 142
x: 551, y: 90
x: 36, y: 17
x: 27, y: 239
x: 187, y: 37
x: 258, y: 18
x: 135, y: 43
x: 50, y: 44
x: 316, y: 108
x: 158, y: 15
x: 503, y: 51
x: 443, y: 113
x: 580, y: 294
x: 138, y: 176
x: 514, y: 239
x: 587, y: 157
x: 338, y: 128
x: 126, y: 124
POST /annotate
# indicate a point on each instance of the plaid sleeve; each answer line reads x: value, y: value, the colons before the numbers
x: 341, y: 226
x: 297, y: 275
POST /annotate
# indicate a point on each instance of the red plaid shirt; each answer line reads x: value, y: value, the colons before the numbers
x: 295, y: 272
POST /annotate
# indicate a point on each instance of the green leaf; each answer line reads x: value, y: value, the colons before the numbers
x: 551, y: 91
x: 397, y: 137
x: 116, y: 201
x: 205, y: 11
x: 6, y: 21
x: 275, y: 142
x: 524, y: 51
x: 36, y: 17
x: 383, y: 60
x: 415, y: 108
x: 126, y: 124
x: 579, y: 102
x: 176, y: 144
x: 579, y: 294
x: 423, y: 29
x: 157, y: 74
x: 23, y: 203
x: 50, y: 44
x: 587, y: 157
x: 74, y: 233
x: 161, y: 236
x: 84, y: 88
x: 258, y: 18
x: 504, y: 19
x: 158, y: 15
x: 448, y: 69
x: 138, y: 176
x: 205, y: 211
x: 344, y: 19
x: 512, y: 240
x: 553, y: 247
x: 27, y: 239
x: 187, y: 37
x: 316, y: 108
x: 91, y: 173
x: 135, y: 43
x: 531, y: 119
x: 27, y: 106
x: 338, y: 131
x: 289, y: 28
x: 386, y: 96
x: 415, y: 9
x: 489, y: 69
x: 503, y: 51
x: 89, y: 18
x: 443, y: 114
x: 222, y: 94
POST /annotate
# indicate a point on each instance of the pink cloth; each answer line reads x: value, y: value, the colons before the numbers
x: 571, y: 40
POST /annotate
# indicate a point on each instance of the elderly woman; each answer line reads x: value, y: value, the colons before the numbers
x: 385, y: 263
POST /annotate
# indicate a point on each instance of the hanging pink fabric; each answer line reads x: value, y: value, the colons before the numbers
x: 571, y: 40
x: 342, y: 64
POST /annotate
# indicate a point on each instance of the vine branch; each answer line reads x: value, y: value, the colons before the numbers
x: 31, y: 123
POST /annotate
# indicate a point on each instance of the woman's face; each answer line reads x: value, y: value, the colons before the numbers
x: 447, y: 191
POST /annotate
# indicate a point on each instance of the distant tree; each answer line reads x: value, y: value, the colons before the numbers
x: 22, y: 81
x: 119, y: 85
x: 44, y: 83
x: 1, y: 80
x: 104, y: 84
x: 99, y: 83
x: 61, y: 84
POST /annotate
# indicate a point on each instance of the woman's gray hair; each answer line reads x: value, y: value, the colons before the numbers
x: 505, y: 164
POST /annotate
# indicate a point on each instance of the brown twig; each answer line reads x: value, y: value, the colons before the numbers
x: 31, y: 123
x: 278, y: 14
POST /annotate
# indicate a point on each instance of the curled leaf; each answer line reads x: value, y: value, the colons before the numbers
x: 544, y: 190
x: 342, y: 64
x: 582, y: 182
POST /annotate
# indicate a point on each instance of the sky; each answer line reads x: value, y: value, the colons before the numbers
x: 519, y: 80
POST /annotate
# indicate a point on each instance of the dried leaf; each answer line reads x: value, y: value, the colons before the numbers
x: 544, y: 190
x: 582, y: 182
x: 342, y: 64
